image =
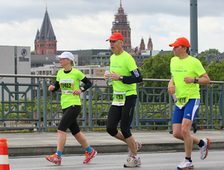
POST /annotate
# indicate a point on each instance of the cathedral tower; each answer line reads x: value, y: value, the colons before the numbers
x: 122, y: 25
x: 45, y: 40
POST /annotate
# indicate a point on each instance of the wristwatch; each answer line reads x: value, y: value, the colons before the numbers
x: 82, y: 89
x: 195, y: 80
x: 121, y: 78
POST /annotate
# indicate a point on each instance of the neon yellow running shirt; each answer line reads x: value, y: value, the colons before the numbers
x: 123, y: 64
x: 188, y: 67
x: 69, y: 82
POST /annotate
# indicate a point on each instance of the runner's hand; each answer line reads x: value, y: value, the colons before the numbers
x: 51, y: 88
x: 77, y: 92
x: 114, y: 76
x: 171, y: 90
x: 171, y: 87
x: 189, y: 80
x: 106, y: 75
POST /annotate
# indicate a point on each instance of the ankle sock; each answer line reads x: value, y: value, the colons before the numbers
x: 201, y: 143
x: 59, y: 153
x: 188, y: 158
x: 89, y: 149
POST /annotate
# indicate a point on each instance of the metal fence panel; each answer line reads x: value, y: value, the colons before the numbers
x: 31, y: 106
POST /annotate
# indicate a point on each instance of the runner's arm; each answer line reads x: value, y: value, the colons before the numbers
x: 135, y: 77
x: 56, y: 86
x: 202, y: 80
x: 87, y: 84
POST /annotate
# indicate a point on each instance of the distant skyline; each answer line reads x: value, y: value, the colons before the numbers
x: 86, y: 24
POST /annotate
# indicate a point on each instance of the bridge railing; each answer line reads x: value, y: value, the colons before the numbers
x: 27, y: 104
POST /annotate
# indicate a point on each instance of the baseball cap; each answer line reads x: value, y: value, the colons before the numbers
x: 116, y: 36
x: 182, y: 41
x: 67, y: 55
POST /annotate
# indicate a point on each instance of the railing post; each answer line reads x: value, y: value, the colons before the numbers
x: 137, y: 109
x: 211, y: 106
x: 170, y: 112
x: 45, y: 104
x: 38, y: 106
x: 3, y: 99
x: 90, y: 116
x: 84, y: 110
x: 222, y: 104
x: 206, y: 105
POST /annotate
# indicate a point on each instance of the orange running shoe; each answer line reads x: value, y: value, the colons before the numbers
x: 89, y: 156
x: 54, y: 159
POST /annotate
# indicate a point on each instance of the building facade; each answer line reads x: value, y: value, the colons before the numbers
x: 14, y: 60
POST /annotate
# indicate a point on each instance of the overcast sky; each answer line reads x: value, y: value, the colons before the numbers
x: 86, y: 24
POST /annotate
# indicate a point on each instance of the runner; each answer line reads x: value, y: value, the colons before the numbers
x: 68, y: 80
x: 187, y: 74
x: 124, y: 74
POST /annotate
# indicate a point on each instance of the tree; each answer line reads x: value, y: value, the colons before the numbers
x: 208, y: 56
x: 215, y: 71
x: 157, y: 67
x: 210, y: 61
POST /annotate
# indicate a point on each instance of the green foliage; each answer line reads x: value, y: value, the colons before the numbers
x: 204, y: 56
x: 157, y: 67
x: 215, y: 71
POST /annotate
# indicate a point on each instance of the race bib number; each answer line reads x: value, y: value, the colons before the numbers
x: 118, y: 98
x: 181, y: 102
x: 67, y: 86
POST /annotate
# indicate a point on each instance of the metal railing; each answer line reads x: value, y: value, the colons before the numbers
x: 27, y: 104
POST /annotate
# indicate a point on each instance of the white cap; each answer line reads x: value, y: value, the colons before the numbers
x: 67, y: 55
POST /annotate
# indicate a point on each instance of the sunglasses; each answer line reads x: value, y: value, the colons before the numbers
x: 112, y: 41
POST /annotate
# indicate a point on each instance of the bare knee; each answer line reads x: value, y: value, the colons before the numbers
x: 177, y: 135
x: 185, y: 132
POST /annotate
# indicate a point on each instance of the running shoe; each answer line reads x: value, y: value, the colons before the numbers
x: 54, y: 159
x: 89, y: 156
x: 186, y: 164
x: 132, y: 161
x: 204, y: 149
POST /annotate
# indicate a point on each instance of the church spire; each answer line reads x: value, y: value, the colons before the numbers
x: 46, y: 31
x: 122, y: 25
x: 150, y: 44
x: 45, y: 40
x: 142, y: 45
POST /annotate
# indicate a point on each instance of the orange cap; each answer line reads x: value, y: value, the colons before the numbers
x: 182, y: 41
x: 116, y: 36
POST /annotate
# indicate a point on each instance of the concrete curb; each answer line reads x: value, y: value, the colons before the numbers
x: 157, y: 147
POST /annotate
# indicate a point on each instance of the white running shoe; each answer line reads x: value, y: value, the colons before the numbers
x: 204, y: 149
x: 132, y: 161
x: 186, y: 164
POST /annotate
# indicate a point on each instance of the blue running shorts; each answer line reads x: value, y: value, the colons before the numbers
x: 188, y: 111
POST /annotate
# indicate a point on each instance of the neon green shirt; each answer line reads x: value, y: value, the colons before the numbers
x: 69, y: 82
x: 188, y: 67
x: 123, y: 64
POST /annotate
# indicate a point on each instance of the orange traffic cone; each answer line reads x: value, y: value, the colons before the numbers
x: 4, y: 159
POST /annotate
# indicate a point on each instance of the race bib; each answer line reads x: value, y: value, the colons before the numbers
x: 181, y: 102
x: 118, y: 98
x: 67, y: 86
